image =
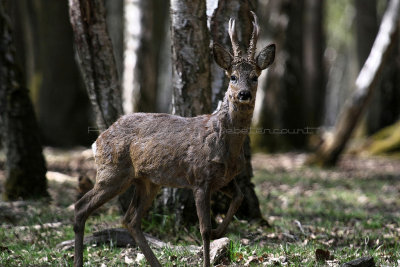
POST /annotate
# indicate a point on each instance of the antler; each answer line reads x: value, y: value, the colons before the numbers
x: 235, y: 44
x: 254, y: 37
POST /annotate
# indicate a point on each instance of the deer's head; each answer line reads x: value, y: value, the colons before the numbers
x: 243, y: 70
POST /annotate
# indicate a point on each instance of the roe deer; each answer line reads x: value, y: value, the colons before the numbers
x: 203, y: 153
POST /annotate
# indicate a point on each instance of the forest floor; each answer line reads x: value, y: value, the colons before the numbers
x: 319, y: 217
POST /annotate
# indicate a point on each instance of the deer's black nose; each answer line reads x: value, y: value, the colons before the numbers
x: 244, y: 95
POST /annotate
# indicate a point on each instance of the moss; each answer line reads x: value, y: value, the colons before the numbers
x: 386, y: 141
x: 35, y: 82
x: 20, y: 184
x: 267, y: 143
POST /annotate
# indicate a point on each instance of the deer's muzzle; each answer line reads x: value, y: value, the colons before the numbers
x: 244, y: 96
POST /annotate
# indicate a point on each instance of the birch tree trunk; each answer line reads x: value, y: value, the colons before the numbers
x: 330, y: 150
x: 190, y: 58
x: 96, y: 59
x: 240, y: 11
x: 98, y: 67
x: 191, y: 86
x: 383, y: 109
x: 153, y: 16
x: 115, y: 26
x: 367, y: 26
x: 25, y: 164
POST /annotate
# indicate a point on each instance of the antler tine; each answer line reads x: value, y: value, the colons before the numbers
x: 254, y: 37
x: 233, y: 36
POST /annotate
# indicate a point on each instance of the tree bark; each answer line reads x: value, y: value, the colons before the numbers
x: 330, y: 150
x: 61, y: 96
x: 366, y: 29
x: 314, y: 71
x: 96, y: 60
x: 383, y: 109
x: 191, y: 87
x: 25, y: 164
x: 282, y: 99
x: 239, y: 10
x: 115, y: 26
x: 98, y: 66
x: 191, y: 58
x: 152, y: 33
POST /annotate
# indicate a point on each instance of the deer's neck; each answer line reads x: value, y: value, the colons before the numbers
x: 234, y: 124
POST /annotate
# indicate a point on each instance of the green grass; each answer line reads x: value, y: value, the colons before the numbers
x: 347, y: 214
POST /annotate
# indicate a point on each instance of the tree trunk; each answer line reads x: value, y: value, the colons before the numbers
x: 250, y: 207
x: 366, y: 29
x: 240, y: 11
x: 26, y: 23
x: 60, y: 91
x: 282, y: 98
x: 384, y: 109
x: 43, y: 38
x: 144, y: 37
x: 191, y: 86
x: 152, y: 33
x: 313, y: 70
x: 389, y: 88
x: 191, y: 58
x: 96, y: 60
x: 25, y: 164
x: 330, y: 150
x: 115, y: 26
x: 98, y: 66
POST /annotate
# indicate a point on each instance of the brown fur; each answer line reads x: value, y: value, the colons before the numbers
x: 202, y: 153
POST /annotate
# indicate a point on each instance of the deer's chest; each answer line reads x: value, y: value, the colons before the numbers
x: 222, y: 173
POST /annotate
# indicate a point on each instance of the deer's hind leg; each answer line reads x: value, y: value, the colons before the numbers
x: 145, y: 192
x: 109, y: 183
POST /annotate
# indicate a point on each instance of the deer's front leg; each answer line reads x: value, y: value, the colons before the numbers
x: 202, y: 198
x: 233, y: 191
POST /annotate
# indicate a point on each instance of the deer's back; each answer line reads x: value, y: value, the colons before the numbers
x: 169, y: 150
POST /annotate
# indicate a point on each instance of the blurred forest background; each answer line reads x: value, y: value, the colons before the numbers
x: 69, y: 69
x: 321, y: 48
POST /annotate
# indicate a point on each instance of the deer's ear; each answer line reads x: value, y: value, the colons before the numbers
x: 222, y: 57
x: 266, y: 57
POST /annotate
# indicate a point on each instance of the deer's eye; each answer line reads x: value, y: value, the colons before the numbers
x: 233, y: 78
x: 254, y: 79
